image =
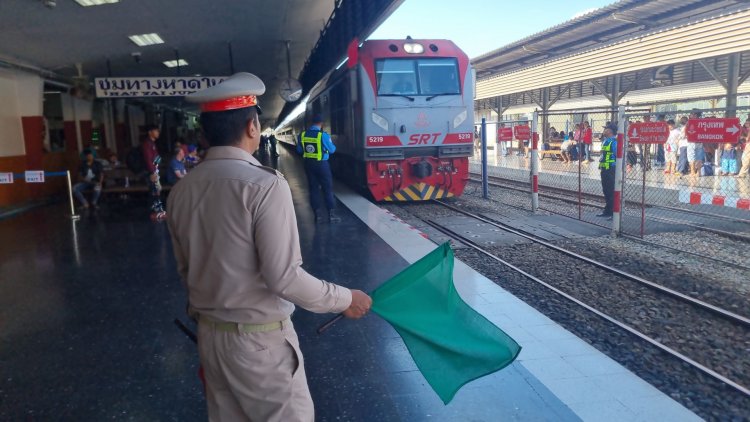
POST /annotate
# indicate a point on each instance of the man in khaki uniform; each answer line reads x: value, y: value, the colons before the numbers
x: 235, y: 239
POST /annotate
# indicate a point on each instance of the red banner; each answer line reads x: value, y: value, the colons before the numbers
x: 505, y: 134
x: 522, y: 133
x: 648, y: 133
x: 714, y: 130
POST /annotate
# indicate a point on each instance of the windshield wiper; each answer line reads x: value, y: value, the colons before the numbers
x: 437, y: 95
x: 405, y: 96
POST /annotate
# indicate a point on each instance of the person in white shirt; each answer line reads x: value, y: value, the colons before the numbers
x: 670, y: 148
x: 683, y: 166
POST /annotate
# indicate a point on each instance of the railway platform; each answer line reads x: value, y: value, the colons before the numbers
x: 87, y: 333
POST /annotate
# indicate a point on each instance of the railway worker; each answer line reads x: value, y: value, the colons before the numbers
x: 315, y: 146
x: 607, y: 168
x: 236, y: 244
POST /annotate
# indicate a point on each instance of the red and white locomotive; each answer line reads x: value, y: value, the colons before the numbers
x: 401, y: 115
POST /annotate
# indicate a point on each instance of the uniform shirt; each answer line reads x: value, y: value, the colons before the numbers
x: 328, y: 146
x: 235, y: 239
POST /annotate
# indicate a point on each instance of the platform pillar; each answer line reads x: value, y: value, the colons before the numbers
x: 534, y: 163
x: 619, y: 172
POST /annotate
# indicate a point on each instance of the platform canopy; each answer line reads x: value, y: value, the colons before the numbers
x: 61, y: 39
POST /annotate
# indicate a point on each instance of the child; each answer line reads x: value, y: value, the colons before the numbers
x: 729, y: 159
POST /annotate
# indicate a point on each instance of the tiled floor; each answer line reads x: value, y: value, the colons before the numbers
x: 87, y: 333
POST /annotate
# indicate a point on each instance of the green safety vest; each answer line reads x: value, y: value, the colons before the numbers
x: 312, y: 147
x: 607, y: 159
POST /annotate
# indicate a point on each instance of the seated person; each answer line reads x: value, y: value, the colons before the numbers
x: 402, y: 86
x: 192, y: 159
x: 176, y: 167
x: 91, y: 175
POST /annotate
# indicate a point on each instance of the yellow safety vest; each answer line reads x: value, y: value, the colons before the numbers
x: 312, y: 147
x: 607, y: 159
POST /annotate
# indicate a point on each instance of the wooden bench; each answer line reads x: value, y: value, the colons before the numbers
x: 554, y: 150
x: 115, y: 182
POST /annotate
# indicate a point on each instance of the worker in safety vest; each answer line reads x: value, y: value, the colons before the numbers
x: 607, y: 168
x: 315, y: 146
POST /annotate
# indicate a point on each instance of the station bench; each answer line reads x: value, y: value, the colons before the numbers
x: 554, y: 150
x: 114, y: 182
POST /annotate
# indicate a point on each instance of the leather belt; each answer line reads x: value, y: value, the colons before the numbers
x: 236, y: 327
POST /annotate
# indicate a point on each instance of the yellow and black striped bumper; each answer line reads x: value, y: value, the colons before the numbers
x: 419, y: 192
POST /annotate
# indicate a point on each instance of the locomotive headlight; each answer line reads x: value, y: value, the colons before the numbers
x: 414, y: 48
x: 460, y: 118
x: 380, y: 121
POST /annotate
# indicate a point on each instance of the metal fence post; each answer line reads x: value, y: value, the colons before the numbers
x: 485, y: 194
x: 619, y: 171
x: 534, y: 163
x: 73, y: 214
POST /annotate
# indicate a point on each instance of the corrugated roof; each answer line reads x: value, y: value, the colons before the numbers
x: 621, y: 20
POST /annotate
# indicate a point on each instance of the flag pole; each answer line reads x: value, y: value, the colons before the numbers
x: 328, y: 324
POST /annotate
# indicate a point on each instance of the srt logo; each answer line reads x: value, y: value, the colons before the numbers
x: 423, y: 138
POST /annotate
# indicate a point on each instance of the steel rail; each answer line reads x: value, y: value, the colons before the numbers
x: 730, y: 235
x: 708, y: 371
x: 596, y: 196
x: 639, y: 240
x: 689, y: 299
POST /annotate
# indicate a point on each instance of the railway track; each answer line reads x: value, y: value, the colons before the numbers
x: 571, y: 197
x: 662, y: 293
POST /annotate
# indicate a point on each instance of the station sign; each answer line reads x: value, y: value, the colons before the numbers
x: 34, y: 176
x: 153, y: 87
x: 522, y: 132
x: 505, y: 134
x: 6, y: 178
x: 712, y: 130
x: 648, y: 132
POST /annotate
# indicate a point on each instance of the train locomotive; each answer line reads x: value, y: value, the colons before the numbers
x: 400, y: 113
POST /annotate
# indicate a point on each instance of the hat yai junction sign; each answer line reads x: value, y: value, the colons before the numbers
x: 153, y: 87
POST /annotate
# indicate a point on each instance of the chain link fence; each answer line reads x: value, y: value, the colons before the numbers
x: 676, y: 184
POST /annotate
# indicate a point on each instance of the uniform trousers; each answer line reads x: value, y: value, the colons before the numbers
x: 319, y: 177
x: 254, y: 376
x: 608, y: 188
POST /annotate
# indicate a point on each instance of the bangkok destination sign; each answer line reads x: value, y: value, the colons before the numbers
x: 153, y: 87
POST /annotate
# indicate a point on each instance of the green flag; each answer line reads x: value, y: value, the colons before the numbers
x: 450, y: 342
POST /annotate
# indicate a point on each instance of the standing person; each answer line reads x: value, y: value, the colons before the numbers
x: 695, y: 152
x: 670, y: 147
x: 152, y: 160
x: 607, y: 168
x: 587, y: 137
x: 315, y: 146
x: 746, y: 149
x: 91, y: 175
x: 272, y: 141
x: 236, y: 243
x: 683, y: 165
x: 660, y: 158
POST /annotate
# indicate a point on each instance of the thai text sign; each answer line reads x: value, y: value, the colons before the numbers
x: 648, y: 133
x: 505, y: 134
x: 6, y: 178
x: 34, y: 176
x: 522, y: 133
x: 153, y: 87
x: 714, y: 130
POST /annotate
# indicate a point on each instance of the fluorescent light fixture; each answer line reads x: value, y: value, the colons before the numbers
x: 175, y: 63
x: 87, y: 3
x: 146, y: 39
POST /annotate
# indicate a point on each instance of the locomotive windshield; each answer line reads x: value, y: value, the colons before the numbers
x: 434, y: 76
